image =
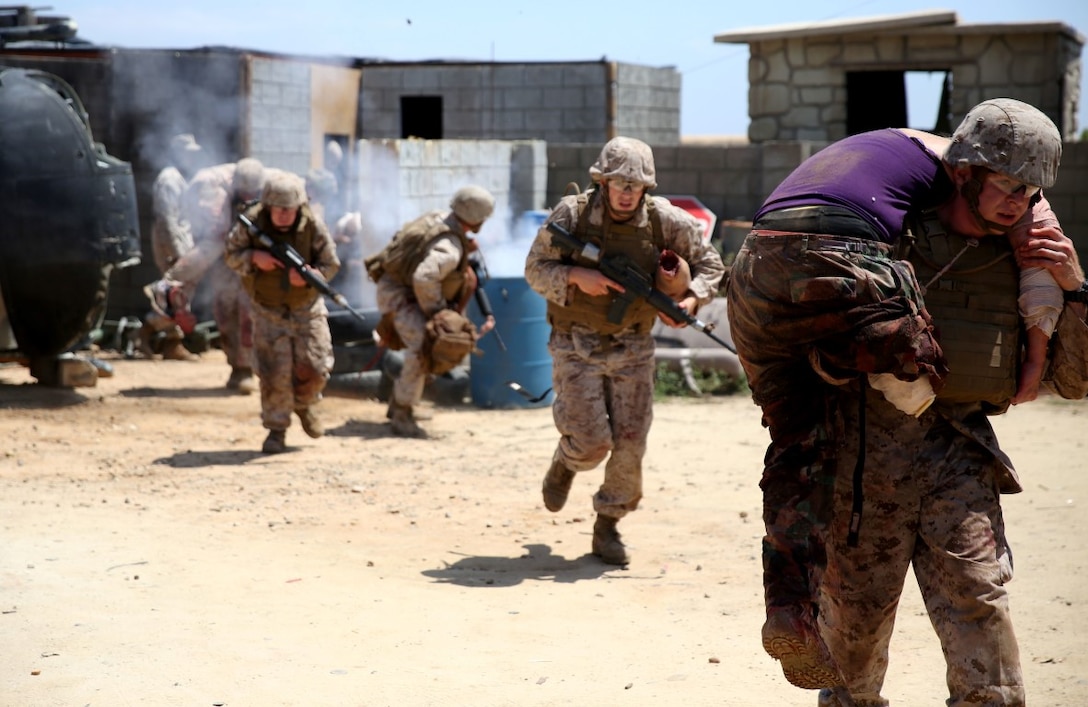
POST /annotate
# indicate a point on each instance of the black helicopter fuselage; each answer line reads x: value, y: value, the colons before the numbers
x: 67, y: 217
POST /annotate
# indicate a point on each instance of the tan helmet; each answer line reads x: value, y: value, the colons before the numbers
x: 472, y: 204
x: 248, y: 176
x: 321, y: 184
x: 1009, y: 137
x: 625, y: 158
x: 285, y: 190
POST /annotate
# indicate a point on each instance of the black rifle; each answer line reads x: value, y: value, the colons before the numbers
x: 476, y: 260
x: 290, y: 257
x: 635, y: 282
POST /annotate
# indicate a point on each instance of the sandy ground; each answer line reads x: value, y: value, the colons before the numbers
x: 152, y: 556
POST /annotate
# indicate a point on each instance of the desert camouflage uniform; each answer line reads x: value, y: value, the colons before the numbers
x: 293, y: 343
x: 171, y: 238
x: 170, y: 234
x: 604, y: 383
x: 414, y: 303
x: 931, y: 499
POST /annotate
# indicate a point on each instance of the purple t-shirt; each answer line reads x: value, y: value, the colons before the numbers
x: 879, y: 175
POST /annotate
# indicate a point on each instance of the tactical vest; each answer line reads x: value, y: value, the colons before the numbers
x: 272, y: 288
x: 409, y: 246
x: 642, y: 245
x: 971, y: 287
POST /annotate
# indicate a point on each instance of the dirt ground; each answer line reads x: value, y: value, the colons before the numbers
x: 152, y: 556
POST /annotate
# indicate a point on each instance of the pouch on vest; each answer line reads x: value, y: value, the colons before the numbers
x: 448, y: 338
x: 971, y: 287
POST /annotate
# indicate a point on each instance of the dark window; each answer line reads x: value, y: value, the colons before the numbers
x: 421, y: 116
x: 898, y: 99
x: 874, y: 100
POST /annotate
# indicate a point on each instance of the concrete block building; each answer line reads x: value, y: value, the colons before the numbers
x: 560, y: 102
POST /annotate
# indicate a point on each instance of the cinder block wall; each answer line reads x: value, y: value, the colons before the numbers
x: 279, y: 113
x: 555, y: 102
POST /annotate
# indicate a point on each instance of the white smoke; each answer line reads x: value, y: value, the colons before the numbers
x: 505, y: 250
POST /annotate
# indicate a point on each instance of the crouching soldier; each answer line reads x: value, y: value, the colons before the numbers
x: 423, y: 270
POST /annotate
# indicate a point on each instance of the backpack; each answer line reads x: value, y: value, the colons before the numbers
x: 448, y: 338
x: 403, y: 253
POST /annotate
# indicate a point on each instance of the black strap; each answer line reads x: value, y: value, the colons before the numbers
x: 859, y: 468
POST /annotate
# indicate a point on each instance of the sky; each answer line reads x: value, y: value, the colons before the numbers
x: 714, y: 98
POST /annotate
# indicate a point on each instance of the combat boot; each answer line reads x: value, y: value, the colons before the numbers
x: 311, y: 424
x: 791, y: 637
x: 404, y: 424
x: 275, y: 443
x: 174, y: 350
x: 242, y: 380
x: 557, y: 484
x: 607, y: 544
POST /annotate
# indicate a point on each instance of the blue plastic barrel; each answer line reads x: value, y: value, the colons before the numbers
x: 521, y: 316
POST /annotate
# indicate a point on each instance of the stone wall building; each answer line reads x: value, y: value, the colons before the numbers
x: 826, y: 80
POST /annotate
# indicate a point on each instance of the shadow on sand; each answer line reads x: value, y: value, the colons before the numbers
x: 538, y: 562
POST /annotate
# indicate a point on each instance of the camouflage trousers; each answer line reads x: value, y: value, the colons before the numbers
x: 809, y: 313
x: 604, y: 393
x: 931, y: 501
x: 411, y: 325
x: 294, y: 359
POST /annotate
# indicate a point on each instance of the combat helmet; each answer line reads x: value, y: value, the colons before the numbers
x: 472, y: 204
x: 1011, y: 138
x: 321, y: 184
x: 285, y: 190
x: 248, y: 176
x: 628, y: 159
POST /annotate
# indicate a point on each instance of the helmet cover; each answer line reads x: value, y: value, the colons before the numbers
x: 1011, y: 138
x: 472, y: 204
x: 285, y: 190
x: 628, y: 159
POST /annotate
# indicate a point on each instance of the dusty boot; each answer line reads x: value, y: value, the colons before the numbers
x: 275, y: 443
x: 174, y: 350
x: 242, y: 380
x: 791, y: 637
x: 311, y: 424
x: 404, y: 424
x: 557, y: 484
x: 607, y: 544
